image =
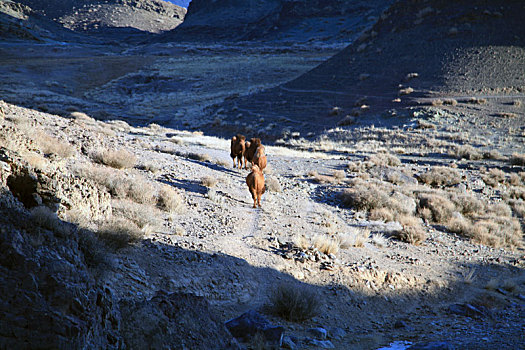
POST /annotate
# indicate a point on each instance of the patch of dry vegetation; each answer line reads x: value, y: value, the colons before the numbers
x: 51, y: 145
x: 384, y: 159
x: 441, y: 176
x: 170, y: 200
x: 295, y: 302
x: 118, y: 159
x: 118, y: 233
x: 494, y: 177
x: 209, y: 181
x: 465, y: 152
x: 272, y: 184
x: 517, y: 159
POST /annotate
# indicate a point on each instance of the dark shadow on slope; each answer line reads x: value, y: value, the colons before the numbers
x: 53, y: 276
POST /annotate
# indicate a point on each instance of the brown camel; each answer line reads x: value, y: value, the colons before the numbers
x: 255, y: 182
x: 238, y: 149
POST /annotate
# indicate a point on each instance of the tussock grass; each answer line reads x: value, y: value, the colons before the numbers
x: 465, y: 152
x: 326, y: 244
x: 118, y: 233
x: 494, y: 154
x: 384, y: 159
x: 202, y: 157
x: 51, y: 145
x: 440, y: 207
x: 517, y: 159
x: 412, y: 232
x: 209, y: 181
x: 494, y: 177
x: 295, y: 302
x: 476, y: 100
x: 322, y: 179
x: 441, y: 176
x: 118, y: 159
x: 141, y: 215
x: 170, y: 200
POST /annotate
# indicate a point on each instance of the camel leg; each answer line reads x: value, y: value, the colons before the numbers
x: 254, y: 197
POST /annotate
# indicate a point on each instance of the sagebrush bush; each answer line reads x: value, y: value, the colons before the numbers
x: 170, y: 200
x: 384, y: 159
x: 51, y: 145
x: 440, y: 207
x: 209, y: 181
x: 295, y: 302
x: 517, y: 159
x: 441, y: 176
x: 494, y: 177
x: 118, y: 159
x: 202, y: 157
x: 119, y: 232
x: 466, y: 152
x: 467, y: 204
x: 364, y: 196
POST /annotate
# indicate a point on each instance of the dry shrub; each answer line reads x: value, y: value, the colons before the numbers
x: 295, y: 302
x: 383, y: 214
x: 436, y: 102
x: 423, y: 124
x: 517, y: 159
x: 498, y: 232
x: 222, y: 163
x: 494, y: 177
x: 339, y: 174
x: 326, y: 244
x: 379, y: 240
x: 119, y: 232
x: 51, y: 145
x: 516, y: 103
x: 450, y: 102
x: 441, y: 176
x: 440, y: 207
x: 119, y: 159
x: 466, y: 152
x: 272, y: 184
x: 322, y: 179
x: 170, y: 200
x: 514, y: 192
x: 475, y: 100
x: 493, y: 154
x: 506, y: 115
x: 142, y: 215
x: 518, y: 206
x: 499, y: 209
x: 209, y: 181
x: 384, y: 159
x: 515, y: 180
x: 406, y: 91
x: 44, y: 217
x: 202, y: 157
x: 467, y: 204
x: 364, y: 196
x: 412, y: 232
x: 142, y: 191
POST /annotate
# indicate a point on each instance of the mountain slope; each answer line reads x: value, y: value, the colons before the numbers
x: 461, y: 49
x: 277, y: 19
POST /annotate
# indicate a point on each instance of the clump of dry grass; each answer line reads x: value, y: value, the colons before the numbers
x: 436, y: 102
x: 382, y: 214
x: 326, y: 244
x: 119, y: 232
x: 202, y: 157
x: 494, y: 177
x: 51, y: 145
x: 506, y: 115
x: 323, y: 179
x: 423, y: 124
x: 209, y: 181
x: 222, y: 163
x: 496, y: 232
x: 493, y: 154
x: 44, y: 217
x: 440, y: 208
x: 412, y: 232
x: 476, y: 100
x: 295, y: 302
x: 517, y: 159
x: 384, y: 159
x: 339, y: 175
x: 142, y: 215
x: 468, y: 204
x: 515, y: 180
x: 142, y: 191
x: 450, y: 102
x: 118, y: 159
x: 170, y: 200
x: 518, y: 207
x: 406, y: 91
x: 466, y: 152
x: 364, y: 196
x: 441, y: 176
x: 272, y: 184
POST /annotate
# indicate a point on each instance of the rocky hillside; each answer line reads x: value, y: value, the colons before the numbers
x: 333, y: 20
x: 95, y: 15
x: 415, y: 52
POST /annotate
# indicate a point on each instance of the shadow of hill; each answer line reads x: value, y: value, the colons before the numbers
x: 47, y: 269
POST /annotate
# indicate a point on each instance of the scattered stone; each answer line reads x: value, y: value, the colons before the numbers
x: 336, y: 333
x: 324, y: 344
x: 466, y: 310
x: 288, y: 343
x: 318, y: 333
x: 251, y: 323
